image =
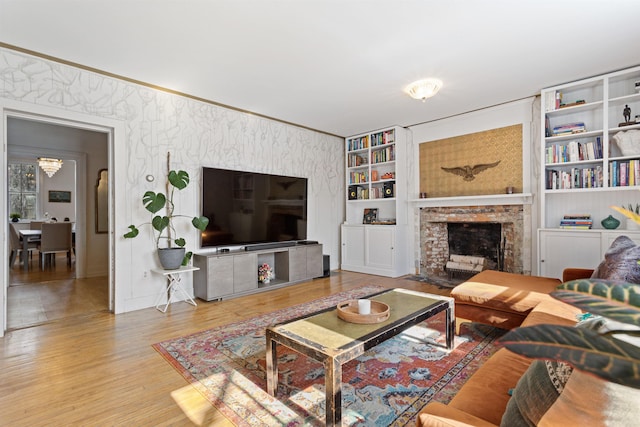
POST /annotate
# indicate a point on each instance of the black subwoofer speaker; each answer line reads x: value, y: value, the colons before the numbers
x: 326, y: 266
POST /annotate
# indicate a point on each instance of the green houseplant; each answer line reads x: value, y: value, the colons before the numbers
x: 170, y: 248
x: 602, y: 355
x: 15, y: 216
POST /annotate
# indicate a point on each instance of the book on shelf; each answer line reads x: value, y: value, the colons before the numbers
x: 576, y: 222
x: 624, y: 173
x: 384, y: 137
x: 358, y: 177
x: 383, y: 155
x: 359, y: 143
x: 553, y: 100
x: 577, y: 216
x: 574, y: 151
x: 574, y: 178
x: 355, y: 160
x: 569, y: 128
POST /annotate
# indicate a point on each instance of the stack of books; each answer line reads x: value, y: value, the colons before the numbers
x: 569, y: 128
x: 574, y: 151
x: 576, y: 222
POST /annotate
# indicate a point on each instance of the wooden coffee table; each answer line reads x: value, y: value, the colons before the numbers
x: 326, y: 338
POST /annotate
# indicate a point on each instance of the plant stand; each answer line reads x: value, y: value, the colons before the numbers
x: 174, y: 284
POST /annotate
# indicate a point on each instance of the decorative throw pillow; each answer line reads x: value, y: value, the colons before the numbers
x: 620, y: 262
x: 536, y: 391
x: 591, y: 401
x: 542, y: 384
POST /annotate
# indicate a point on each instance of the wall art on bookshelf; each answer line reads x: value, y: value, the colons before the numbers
x: 370, y: 215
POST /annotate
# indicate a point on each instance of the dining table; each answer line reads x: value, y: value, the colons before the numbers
x: 28, y: 236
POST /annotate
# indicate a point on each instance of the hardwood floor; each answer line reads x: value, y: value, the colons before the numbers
x: 99, y: 369
x: 36, y: 297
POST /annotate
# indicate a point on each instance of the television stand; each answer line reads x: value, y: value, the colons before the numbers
x: 223, y: 275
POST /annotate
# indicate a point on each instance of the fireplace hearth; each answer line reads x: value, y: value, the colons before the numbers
x: 477, y: 239
x: 494, y: 232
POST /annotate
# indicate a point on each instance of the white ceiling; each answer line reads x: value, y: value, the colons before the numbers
x: 338, y: 66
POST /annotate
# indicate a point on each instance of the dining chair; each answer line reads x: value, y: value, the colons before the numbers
x: 56, y: 237
x: 16, y: 245
x: 36, y: 225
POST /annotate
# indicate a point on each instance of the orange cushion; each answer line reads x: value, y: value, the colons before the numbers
x: 504, y: 291
x: 486, y: 393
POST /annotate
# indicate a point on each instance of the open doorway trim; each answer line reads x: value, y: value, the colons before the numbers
x: 14, y: 109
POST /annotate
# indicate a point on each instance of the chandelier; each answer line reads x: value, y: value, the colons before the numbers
x: 50, y: 166
x: 423, y: 89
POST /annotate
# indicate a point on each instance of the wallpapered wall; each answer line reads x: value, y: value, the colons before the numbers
x: 463, y: 153
x: 149, y: 123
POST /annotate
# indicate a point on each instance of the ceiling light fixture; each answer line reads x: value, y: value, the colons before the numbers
x: 50, y: 166
x: 423, y: 89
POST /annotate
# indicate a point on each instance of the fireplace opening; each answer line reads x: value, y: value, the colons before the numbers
x: 477, y: 239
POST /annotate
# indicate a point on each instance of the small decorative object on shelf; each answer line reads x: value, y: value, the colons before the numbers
x: 370, y: 215
x: 15, y: 217
x: 265, y: 273
x: 628, y: 142
x: 626, y: 113
x: 610, y: 223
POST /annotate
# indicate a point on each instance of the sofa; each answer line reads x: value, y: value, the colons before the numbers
x: 511, y: 390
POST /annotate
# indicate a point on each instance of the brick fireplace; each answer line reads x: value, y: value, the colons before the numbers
x: 434, y: 240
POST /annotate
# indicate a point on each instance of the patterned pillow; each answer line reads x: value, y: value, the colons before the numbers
x: 541, y: 385
x: 620, y: 262
x: 590, y: 401
x: 535, y: 392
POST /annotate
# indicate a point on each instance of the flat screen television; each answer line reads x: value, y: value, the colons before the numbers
x: 248, y: 208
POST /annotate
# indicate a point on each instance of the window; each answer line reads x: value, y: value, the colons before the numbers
x: 23, y: 189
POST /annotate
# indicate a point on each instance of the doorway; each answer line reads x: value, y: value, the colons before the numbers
x: 34, y: 297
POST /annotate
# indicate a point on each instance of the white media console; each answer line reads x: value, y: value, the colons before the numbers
x: 235, y: 273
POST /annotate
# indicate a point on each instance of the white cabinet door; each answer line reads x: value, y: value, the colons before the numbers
x: 379, y: 247
x: 352, y: 246
x: 564, y: 249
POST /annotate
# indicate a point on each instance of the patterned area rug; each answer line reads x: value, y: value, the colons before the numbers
x: 386, y: 386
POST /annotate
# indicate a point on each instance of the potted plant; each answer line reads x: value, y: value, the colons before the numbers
x: 631, y: 223
x: 15, y: 217
x: 170, y: 248
x: 600, y: 354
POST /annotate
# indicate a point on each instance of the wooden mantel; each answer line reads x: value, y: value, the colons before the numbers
x: 484, y: 200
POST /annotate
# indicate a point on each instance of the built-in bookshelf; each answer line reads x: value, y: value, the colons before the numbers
x: 590, y: 157
x: 584, y: 123
x: 376, y: 207
x: 372, y: 172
